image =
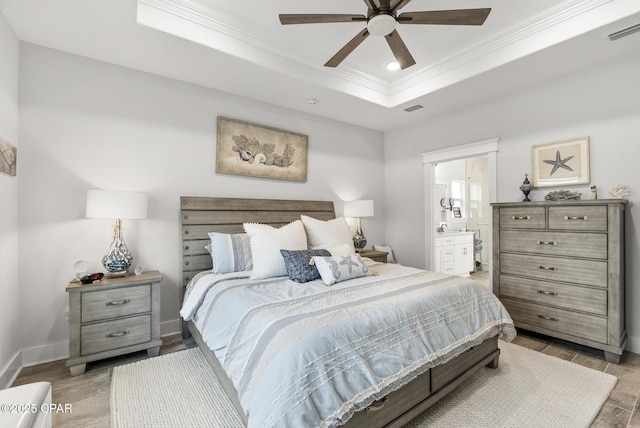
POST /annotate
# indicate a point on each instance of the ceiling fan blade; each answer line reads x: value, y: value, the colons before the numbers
x: 347, y: 49
x: 446, y: 17
x: 399, y: 4
x: 385, y: 4
x: 372, y: 4
x: 286, y: 19
x: 399, y: 49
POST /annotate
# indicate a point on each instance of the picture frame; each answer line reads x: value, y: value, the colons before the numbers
x: 8, y: 158
x: 456, y: 212
x: 563, y: 163
x: 250, y: 149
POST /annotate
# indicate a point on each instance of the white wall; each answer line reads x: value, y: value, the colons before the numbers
x: 600, y: 102
x: 85, y: 124
x: 9, y: 286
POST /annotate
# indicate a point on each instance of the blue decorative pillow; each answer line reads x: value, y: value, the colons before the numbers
x: 230, y: 252
x: 298, y: 264
x: 340, y: 268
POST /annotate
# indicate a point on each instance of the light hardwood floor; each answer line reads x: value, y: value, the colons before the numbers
x: 89, y: 394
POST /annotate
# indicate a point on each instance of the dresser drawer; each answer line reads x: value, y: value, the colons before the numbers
x: 119, y: 333
x: 523, y: 218
x: 576, y: 271
x: 589, y: 327
x: 447, y: 253
x: 578, y: 218
x: 588, y: 245
x: 117, y: 302
x: 583, y: 299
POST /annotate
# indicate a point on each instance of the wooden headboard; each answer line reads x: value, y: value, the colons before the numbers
x: 200, y: 215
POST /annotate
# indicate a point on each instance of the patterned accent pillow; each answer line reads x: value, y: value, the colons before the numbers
x: 266, y: 243
x: 341, y: 268
x: 230, y: 252
x: 298, y: 264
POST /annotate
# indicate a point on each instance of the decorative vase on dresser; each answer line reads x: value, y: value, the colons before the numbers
x: 558, y: 267
x: 113, y: 317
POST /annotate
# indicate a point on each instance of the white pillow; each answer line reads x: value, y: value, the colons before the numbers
x: 266, y: 243
x: 388, y: 249
x: 341, y: 268
x: 327, y: 234
x: 341, y: 250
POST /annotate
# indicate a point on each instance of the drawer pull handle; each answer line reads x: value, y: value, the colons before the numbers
x: 583, y: 217
x: 118, y: 302
x: 520, y: 217
x: 547, y: 293
x: 117, y: 334
x: 548, y: 268
x: 377, y: 405
x: 547, y: 242
x: 547, y: 318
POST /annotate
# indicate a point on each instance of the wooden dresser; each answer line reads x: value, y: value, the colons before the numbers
x: 558, y: 267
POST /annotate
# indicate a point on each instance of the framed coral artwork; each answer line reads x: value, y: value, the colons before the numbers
x: 245, y: 148
x: 563, y: 163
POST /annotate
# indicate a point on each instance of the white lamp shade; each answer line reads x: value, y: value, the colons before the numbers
x: 359, y: 208
x: 116, y: 204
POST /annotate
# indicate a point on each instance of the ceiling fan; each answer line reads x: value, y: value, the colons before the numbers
x: 382, y: 17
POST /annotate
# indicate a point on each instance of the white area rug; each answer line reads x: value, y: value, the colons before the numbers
x: 528, y: 389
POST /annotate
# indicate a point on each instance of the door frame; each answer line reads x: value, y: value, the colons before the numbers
x: 430, y: 160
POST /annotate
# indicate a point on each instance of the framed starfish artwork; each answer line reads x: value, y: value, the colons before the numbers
x: 563, y: 163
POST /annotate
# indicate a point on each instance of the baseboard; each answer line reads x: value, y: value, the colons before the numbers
x: 633, y: 344
x: 45, y: 353
x: 11, y: 371
x: 171, y: 327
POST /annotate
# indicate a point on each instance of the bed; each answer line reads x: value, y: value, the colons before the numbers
x: 286, y: 376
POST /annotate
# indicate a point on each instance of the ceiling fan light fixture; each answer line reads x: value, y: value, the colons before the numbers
x: 393, y: 66
x: 381, y: 25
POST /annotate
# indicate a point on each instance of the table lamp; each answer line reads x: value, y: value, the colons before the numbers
x: 357, y: 209
x: 116, y: 205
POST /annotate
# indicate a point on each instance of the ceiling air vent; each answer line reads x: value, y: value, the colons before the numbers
x: 624, y: 33
x: 413, y: 108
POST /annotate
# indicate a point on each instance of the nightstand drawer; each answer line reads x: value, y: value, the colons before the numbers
x: 118, y: 302
x: 115, y: 334
x: 523, y: 218
x: 578, y: 218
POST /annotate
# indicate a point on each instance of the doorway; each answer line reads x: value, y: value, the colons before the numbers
x: 476, y: 189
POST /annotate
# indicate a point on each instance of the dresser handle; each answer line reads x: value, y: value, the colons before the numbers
x: 519, y: 217
x: 118, y: 302
x: 584, y: 217
x: 548, y: 293
x: 117, y: 334
x: 547, y: 318
x: 547, y: 268
x: 547, y: 242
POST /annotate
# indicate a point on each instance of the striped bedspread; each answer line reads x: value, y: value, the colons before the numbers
x: 311, y: 355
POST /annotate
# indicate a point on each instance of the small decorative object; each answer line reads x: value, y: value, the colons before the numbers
x: 526, y: 188
x: 563, y: 195
x: 359, y: 209
x: 80, y: 267
x: 618, y: 191
x: 563, y: 163
x: 90, y: 279
x: 594, y: 192
x: 138, y: 270
x: 245, y: 148
x: 8, y: 158
x: 456, y: 212
x: 116, y: 205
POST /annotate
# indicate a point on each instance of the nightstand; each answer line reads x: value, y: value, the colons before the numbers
x: 112, y: 317
x: 378, y: 256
